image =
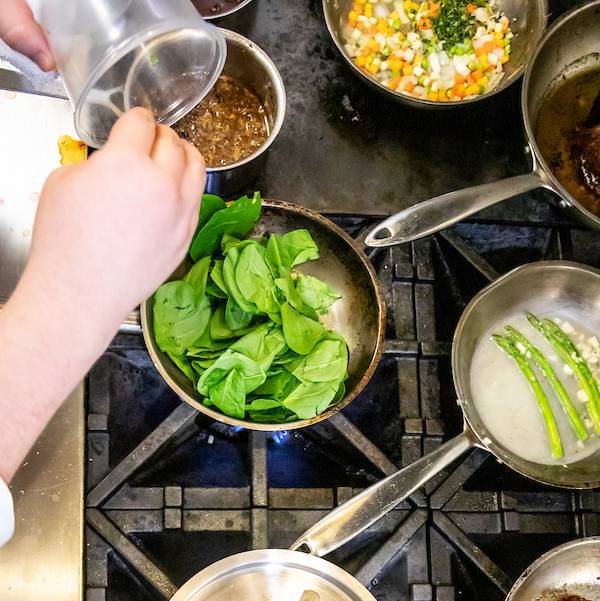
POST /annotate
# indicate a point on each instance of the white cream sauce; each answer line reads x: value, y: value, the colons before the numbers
x: 508, y: 407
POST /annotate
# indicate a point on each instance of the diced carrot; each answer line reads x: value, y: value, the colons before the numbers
x: 459, y: 90
x: 471, y: 8
x: 477, y: 75
x: 409, y: 86
x: 424, y: 23
x: 459, y: 79
x: 434, y: 9
x: 485, y: 49
x: 470, y: 80
x: 394, y: 83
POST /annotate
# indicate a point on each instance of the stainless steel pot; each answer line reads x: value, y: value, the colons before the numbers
x: 528, y: 21
x: 234, y: 8
x: 288, y: 574
x: 571, y: 569
x: 570, y: 46
x: 251, y: 65
x: 359, y: 315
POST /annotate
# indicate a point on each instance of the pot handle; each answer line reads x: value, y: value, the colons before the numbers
x: 352, y: 517
x: 435, y: 214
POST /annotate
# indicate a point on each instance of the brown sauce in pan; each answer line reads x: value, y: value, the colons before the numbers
x: 572, y: 598
x: 558, y: 129
x: 229, y: 125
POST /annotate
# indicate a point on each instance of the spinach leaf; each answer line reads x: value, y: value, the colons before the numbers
x: 301, y: 333
x: 278, y: 415
x: 180, y: 316
x: 182, y: 362
x: 235, y: 318
x: 236, y: 219
x: 327, y: 362
x: 229, y: 242
x: 208, y: 207
x: 229, y: 395
x: 197, y: 276
x: 216, y: 275
x: 309, y: 400
x: 262, y: 344
x: 315, y: 293
x: 254, y: 279
x: 288, y: 289
x: 262, y: 405
x: 278, y: 386
x: 253, y: 375
x: 289, y: 250
x: 229, y: 277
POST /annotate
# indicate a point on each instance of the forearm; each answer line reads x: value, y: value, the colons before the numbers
x: 47, y: 343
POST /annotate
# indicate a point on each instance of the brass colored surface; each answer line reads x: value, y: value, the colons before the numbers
x: 359, y: 315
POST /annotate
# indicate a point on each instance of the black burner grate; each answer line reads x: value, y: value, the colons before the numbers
x: 170, y: 492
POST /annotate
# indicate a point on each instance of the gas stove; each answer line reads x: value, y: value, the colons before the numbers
x: 170, y: 492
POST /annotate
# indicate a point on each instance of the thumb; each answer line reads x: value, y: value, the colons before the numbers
x: 20, y: 31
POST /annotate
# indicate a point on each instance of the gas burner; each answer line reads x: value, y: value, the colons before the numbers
x: 170, y: 492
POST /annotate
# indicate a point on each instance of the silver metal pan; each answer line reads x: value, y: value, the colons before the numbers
x: 288, y: 574
x: 359, y: 315
x: 569, y: 571
x: 570, y: 46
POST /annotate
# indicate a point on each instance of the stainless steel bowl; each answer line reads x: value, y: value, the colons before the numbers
x: 226, y: 13
x: 571, y: 569
x: 251, y: 65
x: 528, y: 21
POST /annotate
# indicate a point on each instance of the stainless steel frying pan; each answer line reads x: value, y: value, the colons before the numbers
x: 571, y: 569
x: 570, y: 46
x: 287, y: 574
x: 359, y: 315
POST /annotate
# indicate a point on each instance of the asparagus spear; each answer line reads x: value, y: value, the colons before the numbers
x: 562, y: 395
x: 568, y: 352
x: 508, y: 346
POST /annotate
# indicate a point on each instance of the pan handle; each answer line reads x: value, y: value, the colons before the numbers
x: 435, y: 214
x: 352, y: 517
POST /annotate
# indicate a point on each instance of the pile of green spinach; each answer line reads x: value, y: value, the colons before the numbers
x: 244, y: 326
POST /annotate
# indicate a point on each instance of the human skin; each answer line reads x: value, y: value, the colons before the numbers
x: 107, y: 233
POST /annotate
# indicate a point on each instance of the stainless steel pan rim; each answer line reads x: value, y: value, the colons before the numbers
x: 379, y: 312
x: 579, y: 562
x: 556, y: 53
x: 536, y: 31
x: 228, y: 12
x: 271, y: 561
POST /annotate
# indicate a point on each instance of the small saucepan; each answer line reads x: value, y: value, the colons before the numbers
x: 569, y: 47
x: 290, y: 574
x: 568, y: 573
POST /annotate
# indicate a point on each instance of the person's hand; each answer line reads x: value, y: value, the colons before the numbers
x: 20, y: 31
x: 110, y: 230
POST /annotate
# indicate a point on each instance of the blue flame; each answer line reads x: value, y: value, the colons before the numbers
x: 280, y: 437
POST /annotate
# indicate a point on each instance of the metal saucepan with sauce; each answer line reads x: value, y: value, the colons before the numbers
x: 569, y: 51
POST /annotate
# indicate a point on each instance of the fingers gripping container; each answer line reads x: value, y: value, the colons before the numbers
x: 117, y: 54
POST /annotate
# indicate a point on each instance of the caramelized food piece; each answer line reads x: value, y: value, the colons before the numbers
x: 228, y: 125
x: 586, y: 149
x: 71, y: 151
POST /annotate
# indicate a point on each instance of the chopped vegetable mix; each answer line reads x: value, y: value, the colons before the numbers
x: 441, y: 51
x: 244, y: 326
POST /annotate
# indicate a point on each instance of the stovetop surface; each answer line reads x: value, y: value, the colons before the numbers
x: 170, y: 492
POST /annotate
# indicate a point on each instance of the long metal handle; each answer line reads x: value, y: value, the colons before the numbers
x: 435, y: 214
x: 351, y: 518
